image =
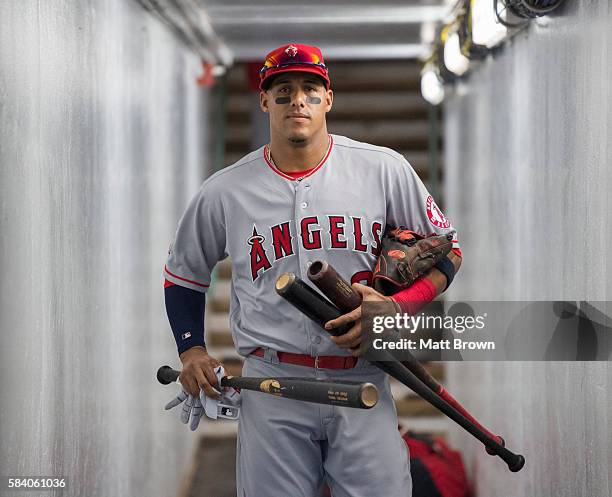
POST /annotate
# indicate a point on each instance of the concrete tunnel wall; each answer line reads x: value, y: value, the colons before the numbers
x: 528, y: 182
x: 102, y: 145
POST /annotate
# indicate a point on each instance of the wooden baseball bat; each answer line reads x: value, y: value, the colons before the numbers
x: 311, y: 303
x: 342, y: 295
x: 345, y: 393
x: 390, y: 365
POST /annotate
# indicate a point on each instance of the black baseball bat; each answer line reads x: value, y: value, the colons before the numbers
x: 342, y: 295
x: 396, y: 369
x: 390, y: 365
x: 313, y: 304
x: 346, y: 393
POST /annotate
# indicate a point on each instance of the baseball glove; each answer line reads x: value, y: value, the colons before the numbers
x: 405, y: 256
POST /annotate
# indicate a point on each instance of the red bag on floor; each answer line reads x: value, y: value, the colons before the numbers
x: 436, y: 469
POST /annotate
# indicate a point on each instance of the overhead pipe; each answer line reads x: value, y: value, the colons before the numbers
x: 192, y: 26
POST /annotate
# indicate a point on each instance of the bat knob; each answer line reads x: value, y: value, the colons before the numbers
x: 518, y: 464
x: 164, y: 376
x: 500, y: 441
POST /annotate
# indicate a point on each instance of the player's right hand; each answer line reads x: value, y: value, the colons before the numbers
x: 198, y: 373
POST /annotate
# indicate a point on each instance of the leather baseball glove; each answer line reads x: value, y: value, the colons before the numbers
x: 405, y: 256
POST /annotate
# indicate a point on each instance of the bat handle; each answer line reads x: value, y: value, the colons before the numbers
x: 167, y: 375
x: 341, y: 294
x: 442, y: 392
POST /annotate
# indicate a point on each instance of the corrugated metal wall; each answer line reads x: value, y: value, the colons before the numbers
x: 528, y: 184
x: 101, y: 147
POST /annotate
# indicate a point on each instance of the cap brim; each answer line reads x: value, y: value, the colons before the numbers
x: 265, y: 83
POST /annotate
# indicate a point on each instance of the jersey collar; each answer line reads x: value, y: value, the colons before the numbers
x: 271, y: 165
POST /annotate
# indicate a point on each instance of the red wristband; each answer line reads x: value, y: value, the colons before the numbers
x: 412, y: 299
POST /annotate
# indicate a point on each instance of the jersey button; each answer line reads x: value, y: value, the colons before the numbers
x: 304, y: 205
x: 316, y: 339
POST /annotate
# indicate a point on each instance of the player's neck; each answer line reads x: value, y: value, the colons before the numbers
x: 289, y: 157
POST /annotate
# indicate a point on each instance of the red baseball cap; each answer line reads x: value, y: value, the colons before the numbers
x: 291, y: 58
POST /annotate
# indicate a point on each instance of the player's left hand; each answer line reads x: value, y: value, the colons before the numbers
x: 352, y: 339
x: 192, y: 408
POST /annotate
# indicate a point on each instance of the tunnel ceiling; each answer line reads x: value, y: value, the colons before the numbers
x: 344, y: 29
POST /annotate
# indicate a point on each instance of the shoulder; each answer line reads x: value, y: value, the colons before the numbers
x: 381, y: 154
x: 388, y: 161
x: 226, y: 177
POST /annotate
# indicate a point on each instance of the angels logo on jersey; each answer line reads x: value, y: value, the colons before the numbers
x: 313, y: 233
x: 435, y: 215
x: 259, y: 260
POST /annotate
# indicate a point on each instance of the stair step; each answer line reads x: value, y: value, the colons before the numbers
x: 224, y: 267
x: 216, y: 338
x: 216, y: 429
x: 224, y: 354
x: 426, y: 425
x: 415, y: 407
x: 374, y: 131
x: 233, y: 367
x: 220, y: 296
x: 217, y: 321
x: 220, y: 305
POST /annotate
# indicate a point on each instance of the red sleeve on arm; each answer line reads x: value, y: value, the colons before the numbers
x: 412, y: 299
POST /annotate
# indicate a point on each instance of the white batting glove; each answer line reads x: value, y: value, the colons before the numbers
x: 227, y: 407
x: 192, y: 409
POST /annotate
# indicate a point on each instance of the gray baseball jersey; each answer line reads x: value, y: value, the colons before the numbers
x: 268, y: 224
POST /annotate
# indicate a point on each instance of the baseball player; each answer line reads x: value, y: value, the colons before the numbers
x: 305, y: 196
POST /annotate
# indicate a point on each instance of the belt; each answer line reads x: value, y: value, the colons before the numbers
x: 319, y: 362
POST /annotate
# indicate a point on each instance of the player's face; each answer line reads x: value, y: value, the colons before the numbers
x: 297, y: 104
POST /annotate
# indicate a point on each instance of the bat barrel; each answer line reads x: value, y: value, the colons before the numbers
x: 333, y: 286
x: 308, y: 301
x: 368, y: 395
x: 347, y: 394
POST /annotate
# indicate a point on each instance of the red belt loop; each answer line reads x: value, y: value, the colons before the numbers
x: 319, y: 362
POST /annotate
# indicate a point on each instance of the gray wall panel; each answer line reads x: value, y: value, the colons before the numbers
x: 528, y: 179
x: 102, y: 143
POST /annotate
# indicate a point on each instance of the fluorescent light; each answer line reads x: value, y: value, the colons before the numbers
x: 486, y: 29
x: 454, y: 60
x: 432, y: 88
